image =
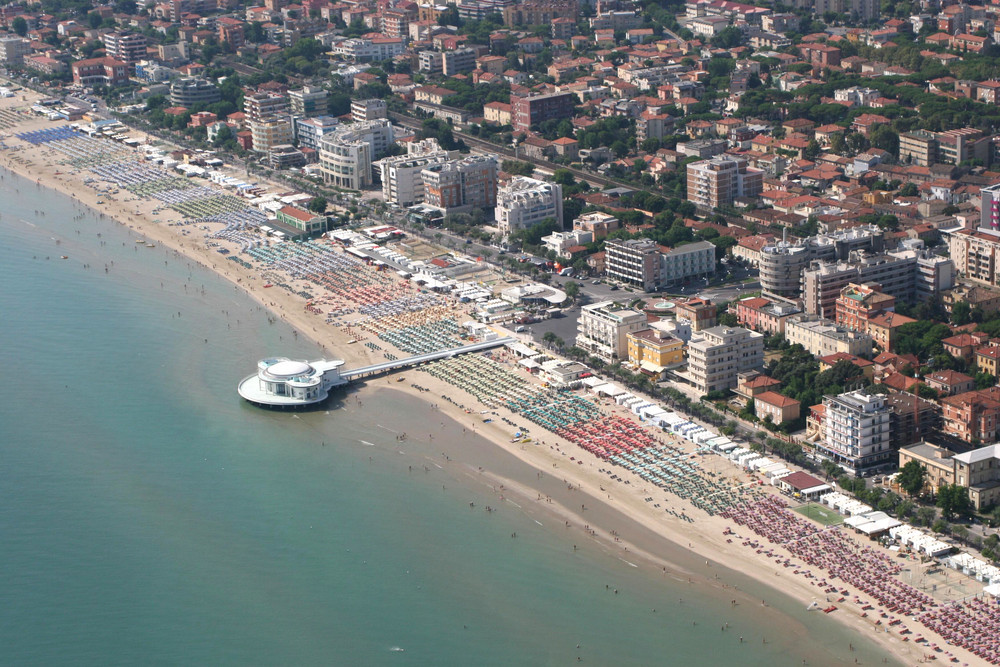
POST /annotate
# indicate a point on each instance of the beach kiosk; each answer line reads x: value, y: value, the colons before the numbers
x: 285, y: 383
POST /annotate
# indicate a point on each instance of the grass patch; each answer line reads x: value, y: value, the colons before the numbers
x: 821, y: 513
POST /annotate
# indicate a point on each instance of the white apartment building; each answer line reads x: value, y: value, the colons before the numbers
x: 310, y: 131
x: 130, y: 48
x: 362, y: 110
x: 857, y: 431
x: 270, y: 132
x: 264, y: 105
x: 603, y: 329
x: 525, y: 202
x: 716, y: 356
x: 458, y: 61
x: 687, y: 261
x: 560, y: 242
x: 346, y: 154
x: 402, y: 183
x: 823, y: 337
x: 363, y: 49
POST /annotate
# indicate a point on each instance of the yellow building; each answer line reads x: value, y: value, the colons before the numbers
x: 986, y: 360
x: 652, y: 351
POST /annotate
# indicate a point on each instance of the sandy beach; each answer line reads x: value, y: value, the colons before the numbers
x: 705, y: 536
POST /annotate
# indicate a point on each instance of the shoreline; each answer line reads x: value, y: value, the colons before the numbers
x: 704, y: 538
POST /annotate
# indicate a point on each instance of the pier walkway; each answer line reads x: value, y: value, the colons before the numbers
x: 424, y: 358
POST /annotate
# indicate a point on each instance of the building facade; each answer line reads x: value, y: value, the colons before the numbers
x: 720, y: 180
x: 823, y: 337
x: 308, y: 101
x: 529, y: 110
x: 603, y: 329
x: 525, y: 202
x: 193, y: 90
x: 716, y: 357
x: 461, y: 185
x: 857, y: 431
x: 633, y: 261
x: 346, y: 154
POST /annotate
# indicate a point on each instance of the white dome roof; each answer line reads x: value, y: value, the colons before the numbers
x: 289, y: 368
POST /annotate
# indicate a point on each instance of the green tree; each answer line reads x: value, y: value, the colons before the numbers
x: 961, y: 313
x: 318, y: 205
x: 572, y: 289
x: 911, y: 477
x: 20, y: 26
x: 953, y: 501
x: 94, y: 20
x: 909, y: 190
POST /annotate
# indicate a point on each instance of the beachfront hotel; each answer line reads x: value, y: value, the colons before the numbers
x: 284, y: 383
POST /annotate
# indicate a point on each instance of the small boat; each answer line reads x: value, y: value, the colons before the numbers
x: 139, y: 241
x: 150, y: 245
x: 64, y: 257
x: 400, y: 379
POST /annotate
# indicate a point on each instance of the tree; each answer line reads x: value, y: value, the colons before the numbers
x: 909, y: 190
x: 953, y: 500
x: 911, y: 477
x: 563, y: 177
x: 572, y: 289
x: 318, y: 205
x: 961, y: 313
x: 549, y: 338
x: 94, y: 20
x: 812, y: 150
x: 20, y: 26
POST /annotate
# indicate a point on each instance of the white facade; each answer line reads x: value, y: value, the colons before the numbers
x: 346, y: 155
x: 687, y: 261
x: 604, y: 327
x: 310, y: 131
x: 716, y: 356
x: 284, y: 383
x: 558, y: 242
x: 857, y: 431
x: 525, y: 202
x: 402, y: 183
x: 360, y: 49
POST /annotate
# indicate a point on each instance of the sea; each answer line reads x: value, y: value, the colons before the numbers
x: 149, y: 516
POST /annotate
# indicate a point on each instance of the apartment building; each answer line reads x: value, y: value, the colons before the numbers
x: 100, y: 72
x: 653, y: 351
x: 716, y: 357
x: 529, y: 110
x: 366, y: 50
x: 691, y: 260
x: 458, y: 61
x: 823, y: 337
x: 772, y: 405
x: 633, y: 261
x: 918, y: 147
x: 977, y: 471
x: 458, y: 186
x: 857, y: 431
x: 271, y: 132
x: 13, y: 50
x: 973, y: 416
x: 259, y: 106
x: 525, y: 202
x: 782, y: 262
x: 857, y: 304
x: 598, y: 223
x: 823, y: 281
x: 701, y: 313
x: 193, y: 90
x: 402, y: 182
x: 310, y: 131
x: 130, y: 48
x: 308, y: 101
x: 603, y: 329
x: 763, y: 315
x: 346, y: 154
x: 720, y: 180
x: 362, y: 110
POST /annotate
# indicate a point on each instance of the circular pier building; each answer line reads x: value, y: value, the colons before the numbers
x: 285, y: 383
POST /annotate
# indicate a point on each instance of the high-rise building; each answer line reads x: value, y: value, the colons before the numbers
x: 720, y: 180
x: 633, y: 261
x: 346, y: 154
x: 402, y: 183
x: 529, y: 110
x: 717, y: 355
x: 462, y: 185
x: 270, y: 132
x: 308, y: 101
x: 525, y: 202
x: 13, y: 50
x: 857, y: 431
x: 130, y: 48
x: 603, y: 329
x: 309, y: 131
x: 193, y: 90
x: 782, y: 262
x: 264, y: 105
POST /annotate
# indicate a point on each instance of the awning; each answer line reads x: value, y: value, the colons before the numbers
x: 650, y: 367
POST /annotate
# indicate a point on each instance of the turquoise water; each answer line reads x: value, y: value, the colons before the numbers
x: 148, y: 516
